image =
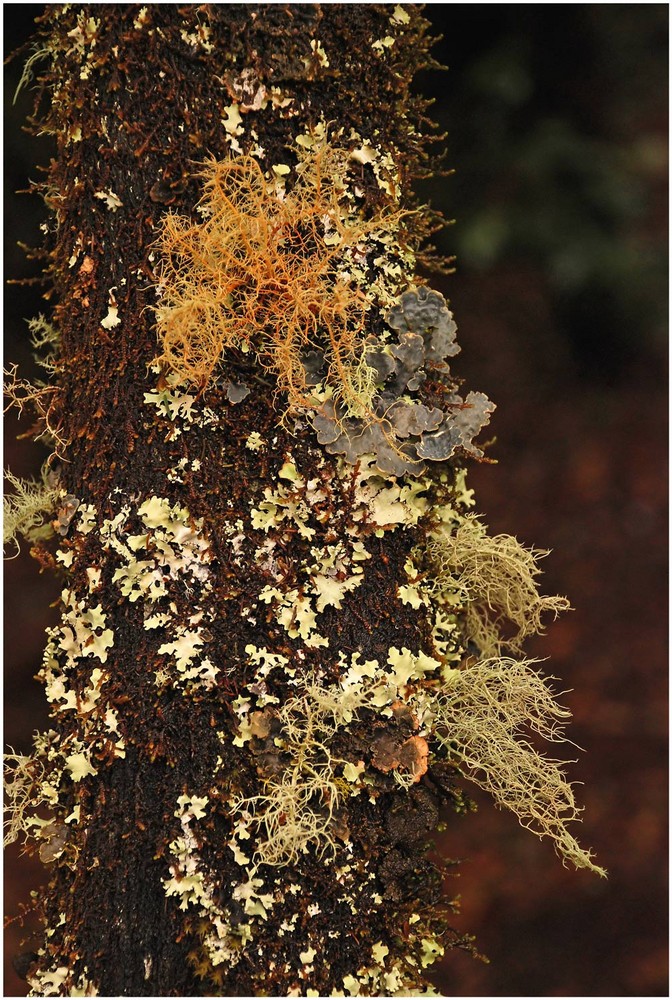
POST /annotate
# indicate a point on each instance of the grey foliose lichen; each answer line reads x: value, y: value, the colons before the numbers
x: 424, y: 312
x: 404, y: 432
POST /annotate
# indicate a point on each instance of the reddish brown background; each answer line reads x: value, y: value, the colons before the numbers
x: 579, y: 376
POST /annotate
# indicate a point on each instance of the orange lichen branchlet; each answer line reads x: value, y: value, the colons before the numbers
x: 260, y: 272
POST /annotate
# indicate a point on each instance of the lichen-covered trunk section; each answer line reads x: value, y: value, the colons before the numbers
x: 234, y: 786
x: 283, y: 632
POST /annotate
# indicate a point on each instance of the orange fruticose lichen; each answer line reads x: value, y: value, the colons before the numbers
x: 260, y: 273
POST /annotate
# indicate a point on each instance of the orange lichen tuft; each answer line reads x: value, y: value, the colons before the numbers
x: 260, y: 273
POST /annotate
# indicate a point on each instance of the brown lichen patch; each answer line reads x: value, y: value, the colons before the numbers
x: 414, y: 755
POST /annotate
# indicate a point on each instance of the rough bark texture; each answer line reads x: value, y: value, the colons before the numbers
x: 239, y: 783
x: 138, y: 98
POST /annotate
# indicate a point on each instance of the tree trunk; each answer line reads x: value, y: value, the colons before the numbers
x: 239, y: 776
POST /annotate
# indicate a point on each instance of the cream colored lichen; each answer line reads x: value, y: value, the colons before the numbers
x: 492, y: 580
x: 296, y: 809
x: 223, y: 939
x: 172, y: 552
x: 59, y: 981
x: 23, y: 795
x: 26, y: 510
x: 482, y: 717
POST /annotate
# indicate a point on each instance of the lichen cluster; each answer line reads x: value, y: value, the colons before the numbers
x: 284, y: 638
x: 26, y: 510
x: 287, y: 277
x: 401, y: 430
x: 269, y: 273
x: 326, y: 733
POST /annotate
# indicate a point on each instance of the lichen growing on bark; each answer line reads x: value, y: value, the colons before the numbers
x: 253, y: 671
x: 269, y: 272
x: 26, y: 510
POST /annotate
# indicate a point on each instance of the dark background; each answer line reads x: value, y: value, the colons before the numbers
x: 557, y: 121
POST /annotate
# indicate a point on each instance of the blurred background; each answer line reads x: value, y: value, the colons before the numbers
x: 557, y: 119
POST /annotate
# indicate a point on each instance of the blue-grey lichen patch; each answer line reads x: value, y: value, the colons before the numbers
x: 402, y: 432
x: 236, y: 392
x: 423, y: 311
x: 458, y: 429
x: 353, y: 438
x: 413, y: 418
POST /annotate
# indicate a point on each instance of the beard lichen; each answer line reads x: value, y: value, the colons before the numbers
x: 264, y: 271
x: 480, y: 719
x: 493, y: 578
x: 298, y: 807
x: 23, y: 793
x: 26, y: 511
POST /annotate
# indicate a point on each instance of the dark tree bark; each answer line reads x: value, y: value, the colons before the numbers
x: 239, y: 777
